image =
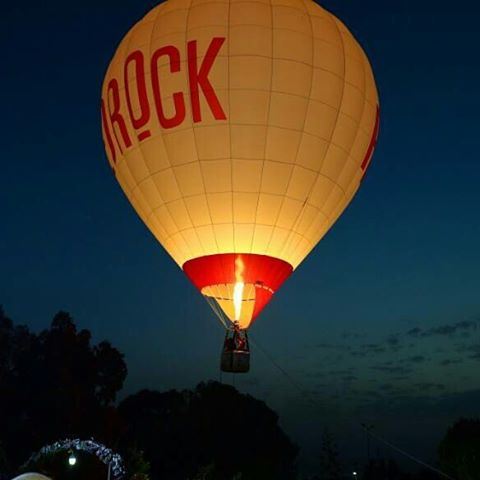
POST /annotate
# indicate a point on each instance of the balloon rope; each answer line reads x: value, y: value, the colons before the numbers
x: 403, y: 452
x: 303, y: 391
x: 213, y: 305
x: 316, y: 403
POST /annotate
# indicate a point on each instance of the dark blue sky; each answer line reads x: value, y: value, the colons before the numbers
x: 380, y: 323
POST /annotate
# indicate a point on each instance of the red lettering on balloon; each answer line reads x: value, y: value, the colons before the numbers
x: 116, y: 117
x: 199, y: 79
x: 106, y: 131
x: 116, y: 134
x: 373, y: 142
x: 178, y: 100
x: 141, y: 91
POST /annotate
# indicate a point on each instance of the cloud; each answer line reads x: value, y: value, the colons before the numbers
x: 414, y: 332
x: 392, y: 370
x: 372, y: 348
x: 328, y: 346
x: 449, y: 361
x: 474, y: 348
x: 430, y: 386
x: 448, y: 330
x: 373, y: 393
x: 346, y: 371
x: 359, y: 354
x: 468, y: 324
x: 348, y: 335
x: 393, y: 340
x: 416, y: 359
x: 387, y: 387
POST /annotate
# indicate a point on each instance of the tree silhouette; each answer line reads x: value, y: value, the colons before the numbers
x: 330, y: 468
x: 3, y: 461
x: 55, y: 384
x: 459, y: 451
x: 212, y: 431
x: 384, y: 469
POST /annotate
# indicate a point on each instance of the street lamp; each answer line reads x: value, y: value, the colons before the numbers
x: 355, y: 475
x: 72, y: 459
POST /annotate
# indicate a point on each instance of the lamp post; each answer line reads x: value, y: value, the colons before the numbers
x: 72, y: 459
x: 355, y: 475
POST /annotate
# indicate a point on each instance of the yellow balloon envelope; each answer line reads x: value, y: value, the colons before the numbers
x: 239, y: 130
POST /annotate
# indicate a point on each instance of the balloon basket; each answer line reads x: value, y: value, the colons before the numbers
x: 235, y: 356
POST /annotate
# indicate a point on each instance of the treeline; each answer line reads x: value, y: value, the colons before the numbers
x: 58, y: 384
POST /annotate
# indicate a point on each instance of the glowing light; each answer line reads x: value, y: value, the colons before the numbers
x: 238, y: 288
x: 72, y: 459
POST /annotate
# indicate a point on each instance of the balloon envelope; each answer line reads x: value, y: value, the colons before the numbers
x: 239, y: 130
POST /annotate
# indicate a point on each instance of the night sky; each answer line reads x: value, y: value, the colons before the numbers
x: 380, y: 324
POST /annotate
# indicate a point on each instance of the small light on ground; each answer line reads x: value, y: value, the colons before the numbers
x: 72, y: 459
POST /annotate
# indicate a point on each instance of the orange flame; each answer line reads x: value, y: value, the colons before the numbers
x: 238, y: 288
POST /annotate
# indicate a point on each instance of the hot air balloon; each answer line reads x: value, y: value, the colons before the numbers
x: 239, y: 130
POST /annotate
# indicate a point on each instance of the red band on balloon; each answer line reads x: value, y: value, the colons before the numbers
x: 266, y: 273
x: 373, y: 142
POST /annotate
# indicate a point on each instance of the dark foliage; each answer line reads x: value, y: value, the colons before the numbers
x: 383, y: 469
x: 55, y: 384
x: 3, y: 461
x: 213, y: 428
x: 330, y: 468
x: 459, y: 451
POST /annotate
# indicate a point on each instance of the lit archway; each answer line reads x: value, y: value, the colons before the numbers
x: 105, y: 455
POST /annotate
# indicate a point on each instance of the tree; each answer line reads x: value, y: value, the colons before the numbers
x: 136, y: 464
x: 212, y: 431
x: 383, y: 469
x: 55, y: 384
x: 3, y: 461
x: 330, y: 468
x: 459, y: 450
